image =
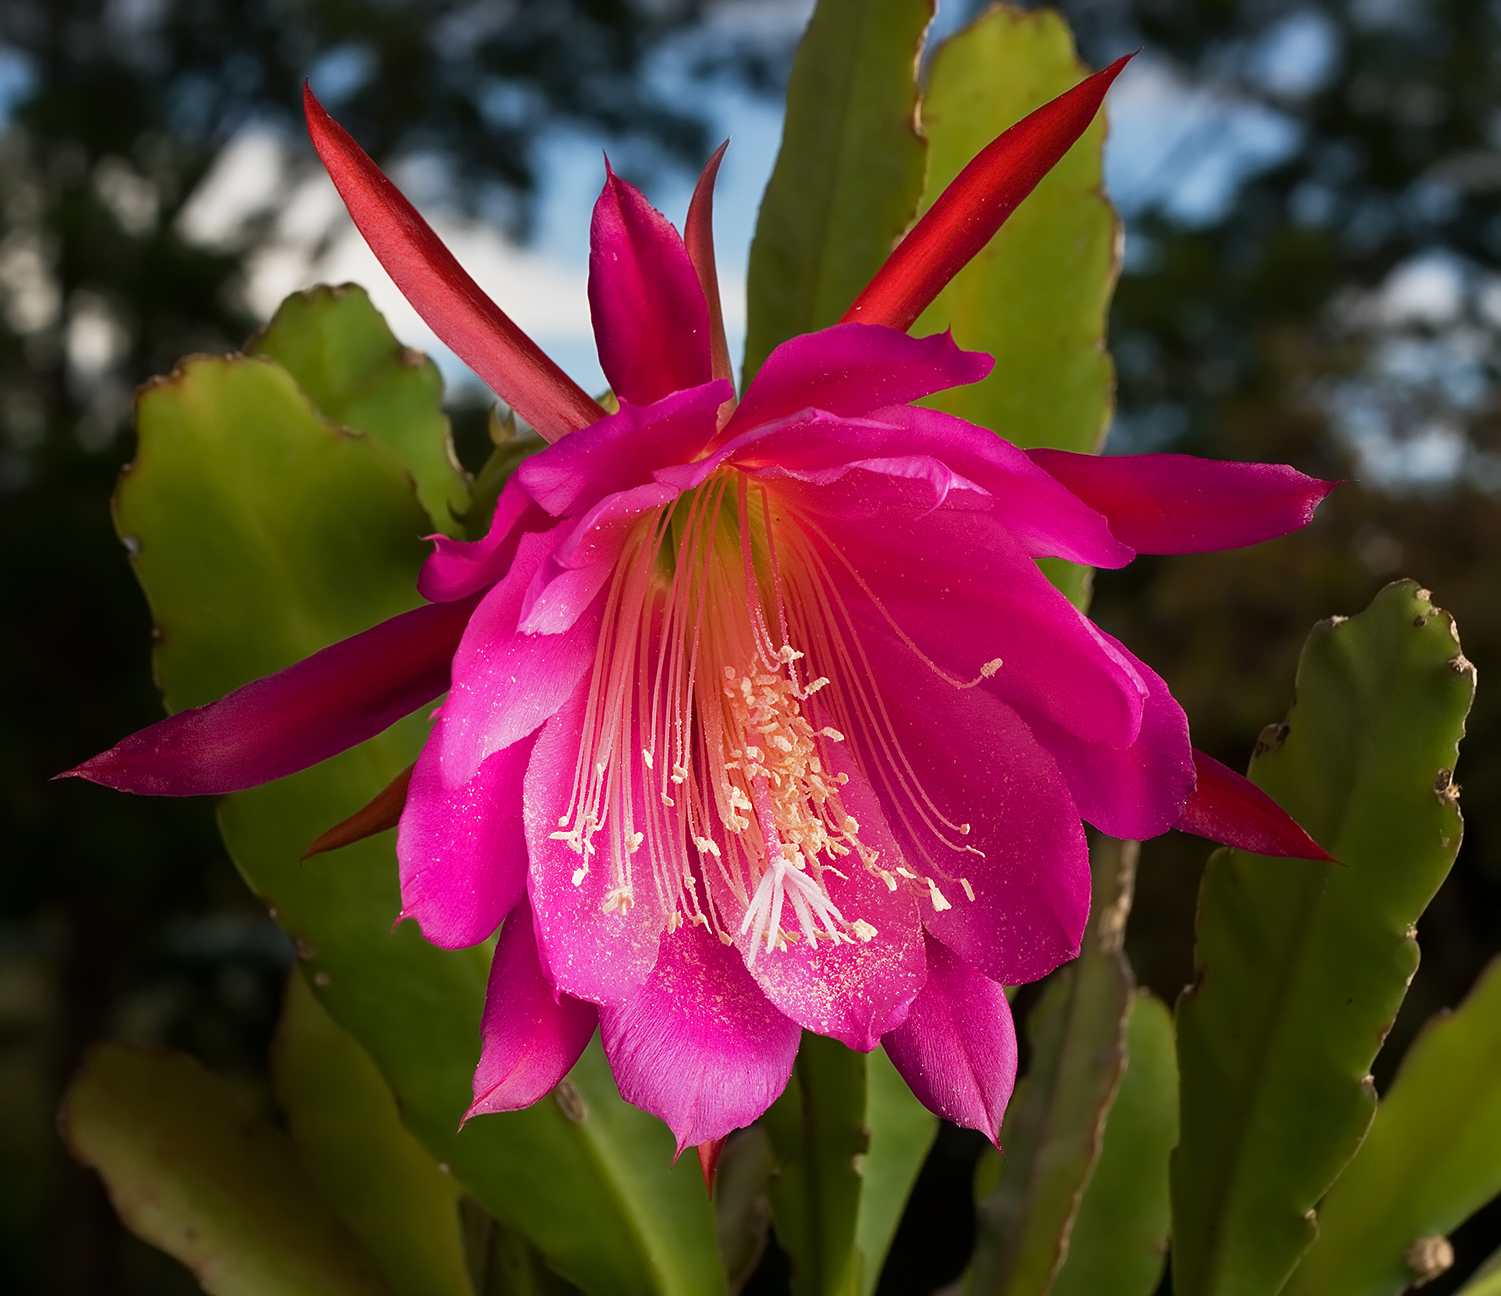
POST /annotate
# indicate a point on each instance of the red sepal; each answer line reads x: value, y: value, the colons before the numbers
x: 383, y: 812
x: 968, y: 213
x: 1230, y: 809
x: 708, y: 1161
x: 481, y: 334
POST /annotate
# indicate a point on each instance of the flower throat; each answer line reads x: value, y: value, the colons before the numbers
x: 707, y: 755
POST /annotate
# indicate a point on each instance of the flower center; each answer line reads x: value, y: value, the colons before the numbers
x: 705, y: 761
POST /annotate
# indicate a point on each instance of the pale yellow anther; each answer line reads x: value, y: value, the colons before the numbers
x: 969, y: 891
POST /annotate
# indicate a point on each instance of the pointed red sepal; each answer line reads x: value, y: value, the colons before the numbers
x: 458, y: 311
x: 968, y: 213
x: 708, y: 1161
x: 383, y: 812
x: 698, y: 236
x: 1230, y: 809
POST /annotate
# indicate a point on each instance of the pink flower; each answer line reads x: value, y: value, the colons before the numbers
x: 760, y: 715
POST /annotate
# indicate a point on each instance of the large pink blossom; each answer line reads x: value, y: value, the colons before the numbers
x: 760, y: 715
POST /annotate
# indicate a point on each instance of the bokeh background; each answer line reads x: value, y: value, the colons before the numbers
x: 1312, y: 274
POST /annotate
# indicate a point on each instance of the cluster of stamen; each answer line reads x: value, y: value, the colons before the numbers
x: 699, y: 735
x: 778, y: 782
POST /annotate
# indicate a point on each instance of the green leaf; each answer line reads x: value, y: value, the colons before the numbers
x: 1432, y: 1158
x: 382, y: 1182
x: 1036, y: 297
x: 1118, y: 1245
x: 260, y: 531
x: 263, y: 533
x: 848, y: 174
x: 902, y: 1131
x: 342, y: 354
x: 848, y: 1140
x: 820, y: 1139
x: 741, y: 1209
x: 1053, y: 1128
x: 1302, y: 966
x: 193, y: 1169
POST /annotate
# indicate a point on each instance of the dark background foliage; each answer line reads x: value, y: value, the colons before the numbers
x: 1256, y: 331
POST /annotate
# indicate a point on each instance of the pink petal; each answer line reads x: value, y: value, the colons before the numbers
x: 480, y: 333
x: 462, y: 850
x: 1046, y: 520
x: 506, y: 682
x: 957, y: 1048
x: 964, y: 591
x: 1169, y: 503
x: 698, y: 1045
x: 588, y: 952
x: 852, y: 992
x: 698, y: 238
x: 975, y: 205
x: 1041, y: 514
x: 457, y: 568
x: 851, y: 369
x: 966, y: 757
x: 623, y: 450
x: 650, y: 318
x: 301, y: 715
x: 1133, y: 792
x: 1230, y: 809
x: 585, y: 559
x: 532, y: 1036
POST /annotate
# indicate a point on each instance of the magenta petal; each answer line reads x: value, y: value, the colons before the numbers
x: 853, y: 992
x: 505, y: 682
x: 301, y: 715
x: 1171, y: 503
x: 957, y: 1048
x: 1230, y: 809
x: 622, y: 451
x: 650, y: 318
x: 589, y: 951
x: 581, y: 563
x: 699, y: 1045
x: 462, y: 850
x: 1025, y: 856
x: 958, y: 584
x: 1133, y: 792
x: 851, y: 369
x: 457, y: 568
x: 531, y: 1037
x: 1044, y: 516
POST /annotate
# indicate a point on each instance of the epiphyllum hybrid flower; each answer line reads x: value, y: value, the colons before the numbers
x: 760, y: 716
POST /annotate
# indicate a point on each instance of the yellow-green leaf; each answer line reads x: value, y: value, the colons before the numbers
x: 193, y: 1169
